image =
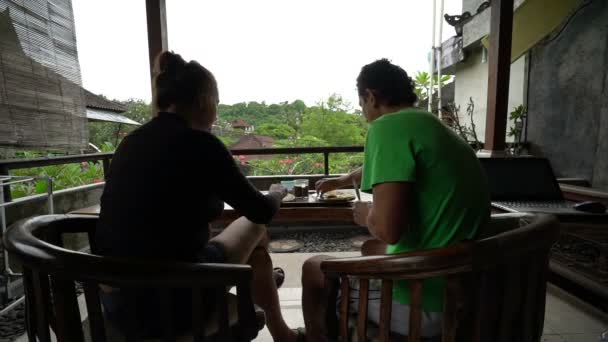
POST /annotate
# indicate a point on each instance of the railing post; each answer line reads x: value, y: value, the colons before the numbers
x: 156, y: 19
x: 106, y: 166
x: 499, y: 68
x: 326, y: 160
x: 4, y: 171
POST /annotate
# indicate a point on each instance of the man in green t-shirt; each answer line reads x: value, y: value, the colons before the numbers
x: 429, y: 191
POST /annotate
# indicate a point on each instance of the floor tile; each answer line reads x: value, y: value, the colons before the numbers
x: 292, y: 264
x: 581, y: 337
x: 568, y: 315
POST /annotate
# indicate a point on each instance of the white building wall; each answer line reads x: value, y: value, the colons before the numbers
x: 472, y: 82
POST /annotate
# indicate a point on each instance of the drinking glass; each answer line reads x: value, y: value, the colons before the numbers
x: 300, y: 188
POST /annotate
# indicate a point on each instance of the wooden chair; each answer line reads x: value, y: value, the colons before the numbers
x: 50, y: 272
x: 495, y: 289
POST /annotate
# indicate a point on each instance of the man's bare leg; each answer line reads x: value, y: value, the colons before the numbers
x: 316, y: 299
x: 373, y: 247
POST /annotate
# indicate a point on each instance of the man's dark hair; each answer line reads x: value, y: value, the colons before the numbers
x: 390, y: 83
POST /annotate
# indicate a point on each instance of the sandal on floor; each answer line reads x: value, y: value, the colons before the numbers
x: 300, y: 334
x: 279, y: 276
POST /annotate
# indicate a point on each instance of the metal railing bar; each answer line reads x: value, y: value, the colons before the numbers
x: 46, y: 161
x: 17, y: 181
x: 296, y: 150
x: 49, y: 185
x: 12, y: 305
x: 10, y: 164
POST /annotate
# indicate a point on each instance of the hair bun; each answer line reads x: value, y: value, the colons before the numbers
x: 170, y: 62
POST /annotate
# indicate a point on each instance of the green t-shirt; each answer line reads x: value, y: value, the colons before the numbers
x: 451, y: 199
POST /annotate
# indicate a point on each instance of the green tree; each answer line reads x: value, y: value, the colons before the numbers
x: 101, y: 133
x: 330, y: 122
x: 277, y: 131
x: 228, y: 141
x: 138, y: 110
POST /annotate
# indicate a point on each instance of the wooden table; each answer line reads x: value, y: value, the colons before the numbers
x: 314, y: 213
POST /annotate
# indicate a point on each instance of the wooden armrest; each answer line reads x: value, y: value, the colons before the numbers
x: 411, y: 265
x: 579, y: 190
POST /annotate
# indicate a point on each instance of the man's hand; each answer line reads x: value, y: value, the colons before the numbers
x: 328, y: 184
x: 361, y: 212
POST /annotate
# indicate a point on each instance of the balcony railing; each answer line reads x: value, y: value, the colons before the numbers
x: 13, y: 164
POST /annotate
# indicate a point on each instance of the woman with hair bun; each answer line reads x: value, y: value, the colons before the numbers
x: 168, y: 180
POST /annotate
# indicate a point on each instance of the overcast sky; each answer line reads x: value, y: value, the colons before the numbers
x: 259, y: 50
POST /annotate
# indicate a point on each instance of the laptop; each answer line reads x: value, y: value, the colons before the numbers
x: 526, y: 185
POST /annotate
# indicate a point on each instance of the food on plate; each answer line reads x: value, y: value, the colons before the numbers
x: 289, y: 198
x: 337, y: 195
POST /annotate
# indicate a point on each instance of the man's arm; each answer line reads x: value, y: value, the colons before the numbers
x: 389, y: 215
x: 329, y: 184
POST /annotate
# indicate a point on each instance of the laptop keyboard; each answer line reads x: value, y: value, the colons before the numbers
x: 536, y: 204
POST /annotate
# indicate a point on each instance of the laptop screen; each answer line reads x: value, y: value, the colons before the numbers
x: 521, y: 179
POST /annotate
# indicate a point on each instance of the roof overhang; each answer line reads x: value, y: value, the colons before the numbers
x: 532, y: 21
x: 94, y: 114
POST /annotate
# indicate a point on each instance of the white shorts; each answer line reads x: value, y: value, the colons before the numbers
x: 400, y: 316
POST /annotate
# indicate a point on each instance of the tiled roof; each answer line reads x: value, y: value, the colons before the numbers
x: 239, y: 123
x: 99, y: 102
x: 253, y: 141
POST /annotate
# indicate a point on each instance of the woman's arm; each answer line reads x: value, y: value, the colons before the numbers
x: 235, y: 189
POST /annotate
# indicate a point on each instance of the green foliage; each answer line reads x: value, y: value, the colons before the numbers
x: 256, y: 114
x: 330, y: 122
x: 64, y: 176
x: 102, y: 132
x: 138, y: 110
x: 518, y: 116
x: 303, y: 164
x: 467, y: 132
x: 422, y: 84
x: 344, y: 162
x: 228, y: 141
x: 109, y: 132
x: 107, y: 147
x: 286, y: 165
x: 277, y: 131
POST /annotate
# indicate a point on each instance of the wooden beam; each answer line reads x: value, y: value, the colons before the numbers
x: 499, y: 68
x: 156, y: 15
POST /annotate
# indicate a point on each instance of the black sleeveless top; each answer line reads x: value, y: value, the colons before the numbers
x: 165, y: 184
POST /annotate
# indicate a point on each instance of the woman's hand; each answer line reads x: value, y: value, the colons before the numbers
x: 361, y: 212
x: 278, y: 188
x: 328, y: 184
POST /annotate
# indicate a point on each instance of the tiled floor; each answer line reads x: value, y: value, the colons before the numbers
x: 570, y: 320
x: 567, y: 319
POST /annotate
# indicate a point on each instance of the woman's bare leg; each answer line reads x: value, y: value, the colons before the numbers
x: 240, y: 238
x: 265, y: 295
x: 247, y: 242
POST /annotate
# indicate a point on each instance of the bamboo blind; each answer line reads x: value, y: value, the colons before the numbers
x: 41, y: 98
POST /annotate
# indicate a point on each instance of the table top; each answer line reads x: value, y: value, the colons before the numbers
x: 312, y: 212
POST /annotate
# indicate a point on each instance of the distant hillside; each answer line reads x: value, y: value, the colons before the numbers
x: 256, y: 113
